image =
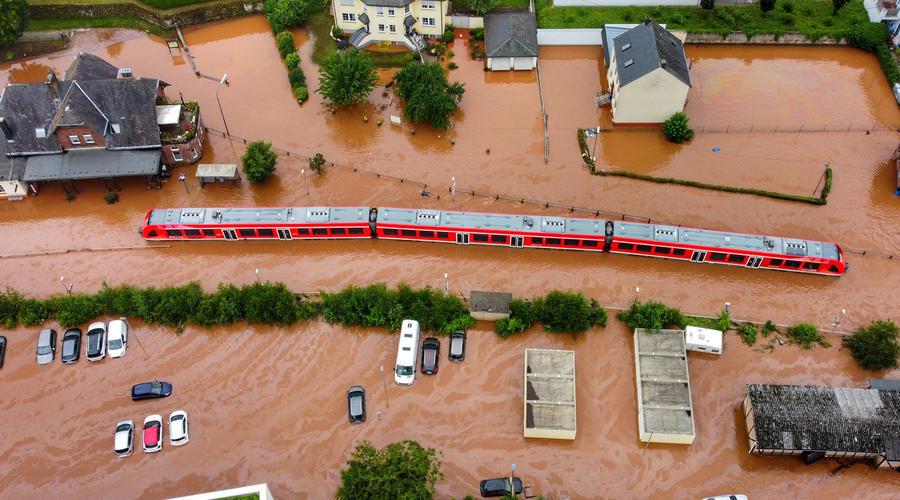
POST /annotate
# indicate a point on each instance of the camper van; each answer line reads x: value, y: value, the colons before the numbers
x: 407, y: 352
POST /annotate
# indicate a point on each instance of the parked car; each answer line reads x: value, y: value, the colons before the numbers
x: 46, y: 346
x: 457, y: 350
x: 96, y: 341
x: 124, y: 438
x: 499, y: 487
x: 2, y: 349
x: 71, y: 346
x: 431, y: 349
x: 153, y: 434
x: 730, y: 497
x: 117, y: 338
x: 150, y: 390
x: 356, y: 404
x: 178, y: 428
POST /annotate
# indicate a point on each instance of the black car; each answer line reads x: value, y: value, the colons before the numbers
x: 457, y: 351
x: 150, y: 390
x: 431, y: 350
x: 356, y: 404
x: 499, y: 487
x: 2, y: 349
x: 71, y: 346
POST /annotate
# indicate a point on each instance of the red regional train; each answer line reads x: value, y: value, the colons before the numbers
x: 512, y: 230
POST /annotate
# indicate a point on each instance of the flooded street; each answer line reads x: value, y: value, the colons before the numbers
x: 268, y: 405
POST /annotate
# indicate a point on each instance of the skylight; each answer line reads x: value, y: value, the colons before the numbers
x: 626, y: 47
x: 629, y: 62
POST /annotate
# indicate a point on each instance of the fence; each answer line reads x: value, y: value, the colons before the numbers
x: 778, y: 128
x: 570, y: 37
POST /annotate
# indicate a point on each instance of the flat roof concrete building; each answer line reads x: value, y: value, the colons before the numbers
x: 549, y: 394
x: 665, y: 413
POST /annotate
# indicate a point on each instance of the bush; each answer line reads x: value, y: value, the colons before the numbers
x: 874, y: 346
x: 477, y: 52
x: 563, y: 312
x: 297, y: 78
x: 676, y: 128
x: 708, y: 4
x: 448, y: 36
x: 766, y: 5
x: 283, y: 14
x: 837, y: 4
x: 450, y: 53
x: 259, y: 161
x: 285, y: 41
x: 768, y: 328
x: 805, y: 335
x: 336, y: 32
x: 400, y: 470
x: 74, y: 310
x: 787, y: 6
x: 522, y: 316
x: 317, y: 163
x: 292, y: 60
x: 452, y: 65
x: 748, y: 332
x: 301, y: 93
x: 111, y: 198
x: 651, y: 316
x: 476, y: 34
x: 269, y: 303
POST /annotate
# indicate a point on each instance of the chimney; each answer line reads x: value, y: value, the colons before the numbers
x: 646, y: 21
x: 7, y: 130
x: 51, y: 82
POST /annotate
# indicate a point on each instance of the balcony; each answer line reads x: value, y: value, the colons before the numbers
x: 178, y: 123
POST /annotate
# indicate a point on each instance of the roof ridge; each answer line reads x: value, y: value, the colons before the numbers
x: 75, y: 82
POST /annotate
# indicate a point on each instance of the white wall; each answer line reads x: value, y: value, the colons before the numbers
x: 652, y: 98
x: 466, y: 22
x: 569, y: 37
x: 611, y: 3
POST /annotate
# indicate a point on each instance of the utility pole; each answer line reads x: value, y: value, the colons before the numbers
x: 225, y: 81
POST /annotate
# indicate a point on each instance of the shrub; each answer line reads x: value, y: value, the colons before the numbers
x: 522, y: 316
x: 477, y: 52
x: 111, y: 198
x: 766, y: 5
x: 269, y: 303
x: 317, y: 163
x: 708, y: 4
x: 336, y: 32
x: 805, y: 334
x: 452, y: 65
x: 223, y: 307
x: 283, y: 14
x: 874, y: 346
x: 297, y: 78
x: 787, y: 6
x: 450, y: 53
x: 73, y: 310
x: 400, y: 470
x: 33, y: 312
x: 285, y: 41
x: 748, y: 332
x: 448, y: 36
x: 768, y: 328
x: 292, y: 60
x: 564, y: 312
x: 651, y: 315
x: 837, y: 4
x: 676, y: 128
x: 477, y: 34
x: 301, y: 93
x: 259, y: 161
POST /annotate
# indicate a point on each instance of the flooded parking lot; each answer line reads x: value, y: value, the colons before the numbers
x: 267, y: 405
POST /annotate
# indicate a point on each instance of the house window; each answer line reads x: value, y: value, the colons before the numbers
x: 176, y: 154
x: 429, y: 21
x: 88, y: 139
x: 428, y: 5
x: 393, y: 28
x: 381, y: 28
x: 348, y: 17
x: 194, y: 152
x: 74, y: 140
x: 406, y: 9
x: 390, y: 12
x: 379, y: 11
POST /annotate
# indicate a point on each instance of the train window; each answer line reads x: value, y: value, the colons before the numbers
x: 811, y: 266
x: 265, y: 232
x: 338, y: 230
x: 643, y: 248
x: 247, y: 232
x: 391, y: 232
x: 737, y: 259
x: 662, y: 250
x: 498, y: 238
x: 319, y: 231
x: 152, y: 233
x: 480, y: 237
x: 626, y: 246
x: 173, y: 233
x: 776, y: 262
x: 442, y: 235
x: 408, y: 232
x: 426, y: 234
x: 833, y: 268
x: 553, y: 241
x: 192, y: 232
x: 716, y: 256
x: 589, y: 243
x: 794, y: 264
x: 302, y: 231
x: 678, y: 251
x: 537, y: 241
x: 209, y: 232
x: 571, y: 243
x: 355, y: 230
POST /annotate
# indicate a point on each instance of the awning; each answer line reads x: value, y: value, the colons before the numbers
x: 409, y: 21
x: 91, y: 164
x: 364, y: 18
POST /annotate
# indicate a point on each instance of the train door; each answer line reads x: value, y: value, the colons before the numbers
x: 284, y: 234
x: 754, y: 262
x: 229, y: 234
x: 516, y: 241
x: 462, y: 238
x: 699, y: 256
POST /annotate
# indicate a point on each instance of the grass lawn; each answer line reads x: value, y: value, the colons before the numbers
x: 813, y: 18
x: 319, y: 25
x: 463, y: 5
x: 134, y: 23
x: 389, y: 59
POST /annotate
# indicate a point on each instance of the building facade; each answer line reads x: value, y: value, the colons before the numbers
x: 391, y: 22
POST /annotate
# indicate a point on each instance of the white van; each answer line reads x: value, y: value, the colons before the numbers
x: 407, y: 353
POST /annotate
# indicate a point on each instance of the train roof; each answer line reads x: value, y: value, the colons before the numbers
x: 722, y: 239
x: 250, y: 215
x: 490, y: 221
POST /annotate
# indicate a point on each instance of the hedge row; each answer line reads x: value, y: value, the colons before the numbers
x: 559, y: 312
x: 288, y: 52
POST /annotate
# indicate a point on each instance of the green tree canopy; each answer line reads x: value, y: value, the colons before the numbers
x: 283, y: 14
x: 428, y: 94
x: 402, y: 470
x: 481, y: 7
x: 676, y: 128
x: 13, y: 18
x: 347, y: 77
x: 874, y: 346
x: 259, y: 161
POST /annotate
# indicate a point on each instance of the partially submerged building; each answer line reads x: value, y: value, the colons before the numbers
x: 510, y: 41
x: 665, y: 410
x: 816, y: 422
x: 549, y: 394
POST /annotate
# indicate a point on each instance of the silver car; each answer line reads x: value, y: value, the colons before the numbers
x: 46, y: 346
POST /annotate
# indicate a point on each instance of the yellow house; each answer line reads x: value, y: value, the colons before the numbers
x: 397, y: 22
x: 648, y: 75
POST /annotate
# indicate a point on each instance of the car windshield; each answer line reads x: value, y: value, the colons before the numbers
x: 156, y: 388
x: 68, y: 348
x: 115, y: 344
x: 404, y: 370
x: 122, y: 428
x: 95, y: 331
x: 44, y: 349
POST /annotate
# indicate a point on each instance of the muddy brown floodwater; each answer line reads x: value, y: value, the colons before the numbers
x: 268, y: 404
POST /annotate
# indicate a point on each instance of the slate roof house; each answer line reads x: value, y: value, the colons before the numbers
x: 510, y: 41
x: 96, y: 123
x: 648, y: 75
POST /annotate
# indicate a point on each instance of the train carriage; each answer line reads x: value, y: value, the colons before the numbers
x: 719, y: 247
x: 477, y: 228
x: 274, y: 223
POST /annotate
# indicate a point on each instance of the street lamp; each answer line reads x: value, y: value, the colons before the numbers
x: 387, y: 402
x: 453, y: 188
x: 303, y: 173
x: 67, y: 288
x: 225, y: 81
x: 512, y: 483
x: 446, y: 285
x: 257, y: 276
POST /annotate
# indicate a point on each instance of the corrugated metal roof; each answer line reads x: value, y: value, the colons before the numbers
x: 487, y: 221
x: 91, y: 164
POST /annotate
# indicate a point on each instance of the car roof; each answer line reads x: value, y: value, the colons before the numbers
x: 151, y: 435
x: 115, y: 329
x: 45, y: 335
x: 431, y: 341
x: 73, y: 331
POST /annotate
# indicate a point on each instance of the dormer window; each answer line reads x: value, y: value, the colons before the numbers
x: 74, y: 140
x: 629, y: 62
x: 88, y: 139
x: 40, y: 132
x: 116, y: 128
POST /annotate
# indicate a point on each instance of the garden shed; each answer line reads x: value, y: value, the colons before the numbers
x: 510, y: 41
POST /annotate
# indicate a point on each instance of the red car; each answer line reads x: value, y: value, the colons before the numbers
x: 153, y: 436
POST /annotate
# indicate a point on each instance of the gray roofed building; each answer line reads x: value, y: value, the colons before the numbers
x: 649, y: 46
x: 510, y: 36
x: 665, y: 409
x: 90, y: 67
x: 388, y: 3
x: 91, y: 164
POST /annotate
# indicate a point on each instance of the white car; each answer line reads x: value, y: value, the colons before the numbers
x: 124, y: 438
x: 178, y: 428
x: 153, y: 433
x: 117, y: 338
x: 95, y: 346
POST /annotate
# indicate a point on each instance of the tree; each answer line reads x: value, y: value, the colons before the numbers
x: 283, y: 14
x: 564, y: 312
x: 401, y: 470
x: 875, y: 346
x: 347, y: 77
x: 259, y: 161
x: 837, y: 4
x: 317, y: 163
x: 766, y: 5
x: 676, y: 128
x: 285, y: 41
x: 481, y: 7
x: 13, y: 18
x: 428, y: 94
x: 708, y: 4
